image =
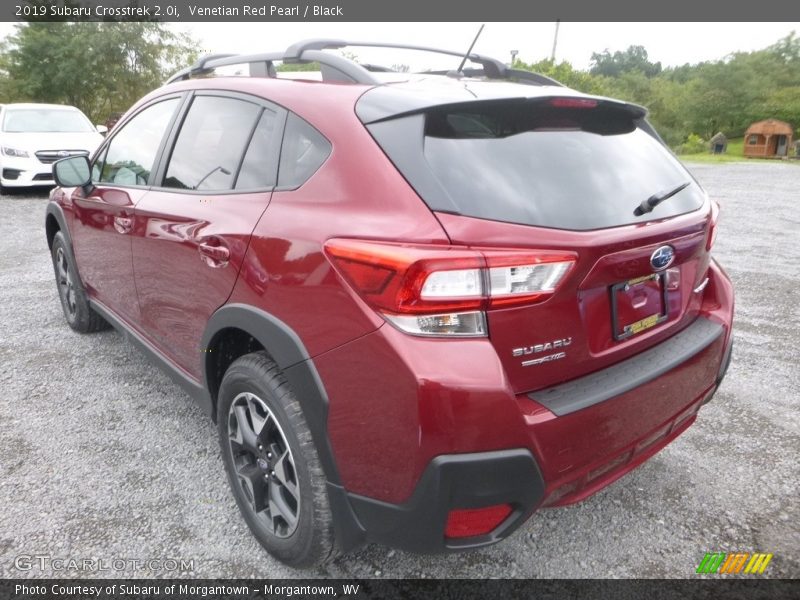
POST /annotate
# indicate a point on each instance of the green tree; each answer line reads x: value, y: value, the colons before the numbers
x: 290, y: 67
x: 783, y: 104
x: 633, y: 59
x: 694, y: 102
x: 566, y: 74
x: 788, y: 50
x: 728, y: 95
x: 98, y: 67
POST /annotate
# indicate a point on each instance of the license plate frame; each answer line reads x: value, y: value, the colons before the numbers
x: 626, y: 331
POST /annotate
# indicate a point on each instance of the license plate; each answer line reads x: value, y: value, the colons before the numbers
x: 638, y: 305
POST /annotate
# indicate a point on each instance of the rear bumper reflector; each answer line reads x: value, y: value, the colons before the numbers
x: 631, y: 373
x: 471, y: 522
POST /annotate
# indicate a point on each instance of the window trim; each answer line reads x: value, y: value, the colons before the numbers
x: 172, y: 138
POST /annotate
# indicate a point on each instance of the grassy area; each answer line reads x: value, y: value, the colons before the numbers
x: 735, y: 153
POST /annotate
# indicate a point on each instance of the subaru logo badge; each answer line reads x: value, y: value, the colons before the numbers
x: 662, y: 258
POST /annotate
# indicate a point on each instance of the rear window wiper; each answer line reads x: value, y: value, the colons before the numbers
x: 656, y: 199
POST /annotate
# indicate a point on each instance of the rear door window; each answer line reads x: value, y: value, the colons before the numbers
x: 211, y: 144
x: 260, y: 166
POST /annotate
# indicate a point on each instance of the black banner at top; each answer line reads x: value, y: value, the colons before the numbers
x: 398, y: 10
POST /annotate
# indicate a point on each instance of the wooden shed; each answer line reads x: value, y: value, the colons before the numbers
x: 768, y: 139
x: 718, y: 144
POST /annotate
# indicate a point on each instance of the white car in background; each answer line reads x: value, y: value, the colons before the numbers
x: 34, y: 136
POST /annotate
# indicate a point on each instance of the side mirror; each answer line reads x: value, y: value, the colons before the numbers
x: 101, y: 129
x: 72, y: 172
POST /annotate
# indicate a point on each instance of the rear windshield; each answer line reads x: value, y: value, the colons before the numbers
x: 535, y: 164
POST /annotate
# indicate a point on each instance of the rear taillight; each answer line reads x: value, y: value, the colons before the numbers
x: 712, y: 229
x: 445, y: 290
x: 521, y: 278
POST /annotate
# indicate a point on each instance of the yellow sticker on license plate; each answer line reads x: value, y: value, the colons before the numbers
x: 645, y: 323
x: 644, y: 279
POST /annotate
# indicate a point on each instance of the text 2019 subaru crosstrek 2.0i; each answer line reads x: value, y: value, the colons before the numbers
x: 419, y: 307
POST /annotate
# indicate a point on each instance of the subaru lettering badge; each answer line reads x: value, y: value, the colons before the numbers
x: 662, y: 258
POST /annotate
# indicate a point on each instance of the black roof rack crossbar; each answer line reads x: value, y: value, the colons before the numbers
x: 340, y: 68
x: 335, y: 67
x: 201, y: 66
x: 492, y: 67
x: 295, y: 51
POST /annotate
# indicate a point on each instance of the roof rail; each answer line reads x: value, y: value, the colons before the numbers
x: 198, y: 68
x: 339, y: 68
x: 492, y: 67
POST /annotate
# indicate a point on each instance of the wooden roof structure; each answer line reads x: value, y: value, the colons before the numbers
x: 767, y: 139
x: 769, y: 127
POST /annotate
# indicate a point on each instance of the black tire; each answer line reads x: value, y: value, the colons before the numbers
x: 272, y: 463
x: 77, y: 310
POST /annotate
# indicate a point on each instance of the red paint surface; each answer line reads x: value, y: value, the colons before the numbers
x: 397, y: 401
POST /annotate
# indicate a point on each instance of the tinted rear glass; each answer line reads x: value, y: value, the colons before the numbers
x: 534, y: 164
x: 303, y: 152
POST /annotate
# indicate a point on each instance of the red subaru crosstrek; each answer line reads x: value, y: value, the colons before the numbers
x: 419, y: 307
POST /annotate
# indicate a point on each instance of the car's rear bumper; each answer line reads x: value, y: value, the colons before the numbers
x: 580, y: 437
x: 510, y: 477
x: 636, y: 408
x: 463, y: 481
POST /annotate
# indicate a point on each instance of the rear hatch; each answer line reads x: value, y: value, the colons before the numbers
x: 563, y: 173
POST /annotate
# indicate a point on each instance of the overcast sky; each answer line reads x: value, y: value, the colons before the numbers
x: 670, y: 43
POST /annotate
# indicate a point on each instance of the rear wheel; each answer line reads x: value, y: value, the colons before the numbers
x: 77, y: 310
x: 272, y: 463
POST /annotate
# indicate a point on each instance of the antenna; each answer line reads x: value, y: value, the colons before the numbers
x: 471, y: 46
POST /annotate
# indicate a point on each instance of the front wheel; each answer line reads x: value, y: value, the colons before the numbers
x: 272, y: 463
x: 77, y: 310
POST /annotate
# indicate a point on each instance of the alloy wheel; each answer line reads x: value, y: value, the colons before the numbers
x: 66, y: 286
x: 264, y: 464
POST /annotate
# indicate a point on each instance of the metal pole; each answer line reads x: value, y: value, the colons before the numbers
x: 555, y: 41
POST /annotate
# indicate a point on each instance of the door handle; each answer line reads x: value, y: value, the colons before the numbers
x: 123, y: 224
x: 215, y: 256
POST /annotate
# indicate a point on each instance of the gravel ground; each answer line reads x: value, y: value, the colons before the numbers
x: 102, y: 457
